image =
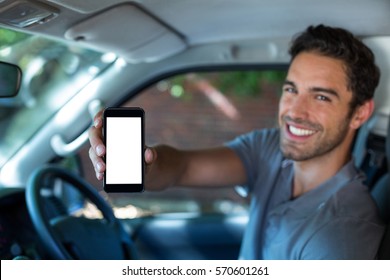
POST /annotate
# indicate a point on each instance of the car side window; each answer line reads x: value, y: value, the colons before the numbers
x: 192, y: 111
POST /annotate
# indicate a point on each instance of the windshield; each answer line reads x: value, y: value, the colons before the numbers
x: 52, y: 74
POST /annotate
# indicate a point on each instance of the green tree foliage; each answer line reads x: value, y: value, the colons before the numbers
x: 249, y: 83
x: 9, y: 37
x: 231, y: 83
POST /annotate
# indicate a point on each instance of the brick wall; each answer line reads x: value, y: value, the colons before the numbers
x: 193, y: 121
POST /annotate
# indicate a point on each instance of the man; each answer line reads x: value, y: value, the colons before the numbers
x: 308, y: 200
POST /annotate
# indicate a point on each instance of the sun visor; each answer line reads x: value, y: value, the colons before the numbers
x: 129, y: 32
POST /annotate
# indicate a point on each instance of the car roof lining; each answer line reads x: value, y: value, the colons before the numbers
x: 202, y: 21
x: 138, y: 36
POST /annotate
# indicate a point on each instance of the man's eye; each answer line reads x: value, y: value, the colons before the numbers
x: 289, y: 90
x: 323, y: 98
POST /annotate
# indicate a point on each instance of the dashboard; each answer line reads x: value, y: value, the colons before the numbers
x: 18, y: 238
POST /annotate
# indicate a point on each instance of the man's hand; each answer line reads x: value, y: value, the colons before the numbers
x: 98, y: 149
x: 167, y: 166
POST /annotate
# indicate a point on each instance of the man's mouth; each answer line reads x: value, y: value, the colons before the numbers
x: 300, y: 131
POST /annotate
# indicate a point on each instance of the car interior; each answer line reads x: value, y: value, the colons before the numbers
x: 203, y: 71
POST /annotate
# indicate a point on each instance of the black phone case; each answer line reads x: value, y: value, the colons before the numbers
x: 125, y: 112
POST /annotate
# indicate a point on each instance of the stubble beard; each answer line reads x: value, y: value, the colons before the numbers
x: 317, y: 148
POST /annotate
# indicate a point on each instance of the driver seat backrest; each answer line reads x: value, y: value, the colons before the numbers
x: 369, y: 150
x: 381, y: 193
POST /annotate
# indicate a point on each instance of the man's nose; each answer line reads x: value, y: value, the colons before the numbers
x: 299, y: 107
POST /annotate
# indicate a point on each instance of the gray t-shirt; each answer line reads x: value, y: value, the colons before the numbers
x: 336, y: 220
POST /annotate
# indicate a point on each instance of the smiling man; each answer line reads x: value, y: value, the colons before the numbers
x: 307, y: 198
x: 317, y: 125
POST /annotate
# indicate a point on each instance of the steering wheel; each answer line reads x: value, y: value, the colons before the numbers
x: 69, y: 237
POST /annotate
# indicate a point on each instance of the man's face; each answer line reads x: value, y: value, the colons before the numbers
x: 314, y: 109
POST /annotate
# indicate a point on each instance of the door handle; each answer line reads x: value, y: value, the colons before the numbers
x: 61, y: 148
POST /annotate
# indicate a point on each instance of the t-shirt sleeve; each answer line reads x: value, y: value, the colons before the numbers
x: 256, y: 149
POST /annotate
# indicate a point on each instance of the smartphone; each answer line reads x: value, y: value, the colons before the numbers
x: 124, y: 139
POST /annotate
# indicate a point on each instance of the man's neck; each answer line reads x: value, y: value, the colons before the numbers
x: 311, y: 173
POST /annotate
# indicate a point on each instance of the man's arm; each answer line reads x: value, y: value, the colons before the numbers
x: 167, y: 166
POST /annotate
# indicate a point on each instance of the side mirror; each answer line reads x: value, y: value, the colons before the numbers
x: 10, y: 79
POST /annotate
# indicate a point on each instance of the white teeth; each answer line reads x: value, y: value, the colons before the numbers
x: 300, y: 132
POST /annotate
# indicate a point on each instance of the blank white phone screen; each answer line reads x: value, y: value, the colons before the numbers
x: 123, y: 150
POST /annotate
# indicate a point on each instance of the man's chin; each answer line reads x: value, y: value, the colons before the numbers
x: 294, y: 154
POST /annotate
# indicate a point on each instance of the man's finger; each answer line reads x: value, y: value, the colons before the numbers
x: 95, y: 139
x: 98, y: 119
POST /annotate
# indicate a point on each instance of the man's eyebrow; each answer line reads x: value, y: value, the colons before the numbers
x: 326, y: 90
x: 289, y: 83
x: 315, y: 89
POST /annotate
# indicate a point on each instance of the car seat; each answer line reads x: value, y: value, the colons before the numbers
x: 369, y: 149
x: 381, y: 193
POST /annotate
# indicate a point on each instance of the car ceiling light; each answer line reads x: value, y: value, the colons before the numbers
x: 108, y: 57
x: 93, y: 70
x: 24, y: 14
x: 121, y: 63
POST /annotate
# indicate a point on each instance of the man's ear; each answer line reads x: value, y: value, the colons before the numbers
x: 362, y: 114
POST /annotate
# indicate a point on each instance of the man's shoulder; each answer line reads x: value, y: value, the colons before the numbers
x: 261, y: 136
x: 348, y: 217
x: 259, y: 151
x: 355, y: 201
x: 262, y: 142
x: 266, y: 132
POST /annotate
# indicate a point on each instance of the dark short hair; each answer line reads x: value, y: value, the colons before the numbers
x: 362, y: 72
